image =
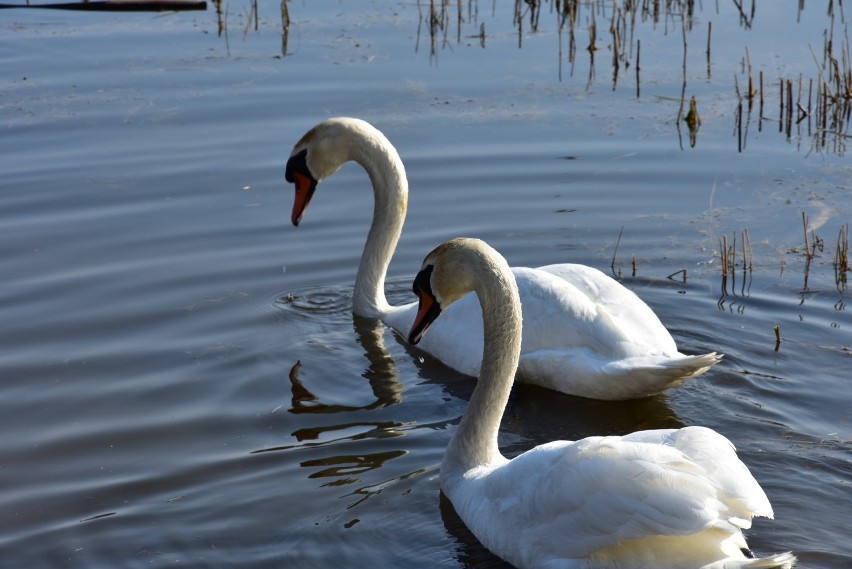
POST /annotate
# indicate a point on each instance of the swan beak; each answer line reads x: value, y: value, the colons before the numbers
x: 427, y: 311
x: 305, y: 186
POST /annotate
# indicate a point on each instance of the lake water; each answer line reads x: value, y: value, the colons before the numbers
x: 155, y: 296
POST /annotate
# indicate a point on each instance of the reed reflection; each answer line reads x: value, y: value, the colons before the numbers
x: 817, y: 108
x: 350, y: 469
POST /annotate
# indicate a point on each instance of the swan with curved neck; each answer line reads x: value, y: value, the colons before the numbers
x: 586, y: 334
x: 668, y: 499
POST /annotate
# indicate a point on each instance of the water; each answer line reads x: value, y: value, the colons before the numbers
x: 155, y: 297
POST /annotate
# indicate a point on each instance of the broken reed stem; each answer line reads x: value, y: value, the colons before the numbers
x: 739, y: 125
x: 747, y: 245
x: 810, y: 93
x: 709, y: 33
x: 680, y: 272
x: 224, y: 27
x: 683, y: 34
x: 593, y: 32
x: 734, y: 253
x: 739, y: 121
x: 615, y: 253
x: 729, y: 253
x: 285, y: 27
x: 841, y: 257
x: 805, y: 227
x: 803, y: 113
x: 613, y: 29
x: 789, y: 108
x: 638, y: 48
x: 459, y: 12
x: 799, y: 96
x: 751, y: 89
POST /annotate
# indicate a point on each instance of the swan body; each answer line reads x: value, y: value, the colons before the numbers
x: 668, y: 499
x: 586, y: 334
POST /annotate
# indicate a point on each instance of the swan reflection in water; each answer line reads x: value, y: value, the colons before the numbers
x: 348, y: 469
x: 381, y: 375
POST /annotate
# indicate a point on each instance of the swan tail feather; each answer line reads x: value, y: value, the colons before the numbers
x: 629, y: 378
x: 691, y: 366
x: 784, y: 560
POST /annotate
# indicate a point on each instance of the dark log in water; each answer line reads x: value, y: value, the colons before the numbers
x: 119, y: 5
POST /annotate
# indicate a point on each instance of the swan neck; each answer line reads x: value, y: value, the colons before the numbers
x: 475, y: 442
x: 390, y: 189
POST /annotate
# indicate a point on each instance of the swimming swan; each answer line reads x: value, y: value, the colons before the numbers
x: 585, y: 333
x: 667, y: 499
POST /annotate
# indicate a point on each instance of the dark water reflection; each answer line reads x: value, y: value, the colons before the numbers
x: 155, y: 298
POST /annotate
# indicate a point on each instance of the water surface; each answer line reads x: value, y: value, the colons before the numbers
x: 156, y: 298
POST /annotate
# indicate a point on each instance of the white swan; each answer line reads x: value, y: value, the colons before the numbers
x: 667, y: 499
x: 586, y: 334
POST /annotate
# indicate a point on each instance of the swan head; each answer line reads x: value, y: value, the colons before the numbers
x: 318, y: 155
x: 447, y: 274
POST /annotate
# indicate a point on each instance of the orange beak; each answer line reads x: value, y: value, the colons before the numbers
x: 427, y: 311
x: 305, y: 186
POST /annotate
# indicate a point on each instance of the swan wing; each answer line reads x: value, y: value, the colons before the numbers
x: 609, y: 318
x: 585, y: 334
x: 568, y: 500
x: 717, y: 456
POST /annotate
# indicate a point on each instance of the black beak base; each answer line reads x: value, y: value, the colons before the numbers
x: 428, y: 308
x: 297, y: 173
x: 297, y: 163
